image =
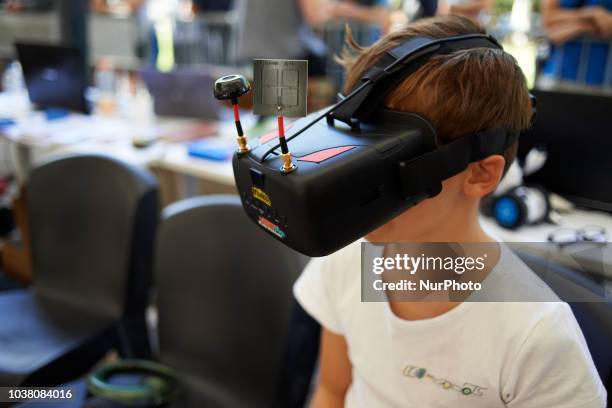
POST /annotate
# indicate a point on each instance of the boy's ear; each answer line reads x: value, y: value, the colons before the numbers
x: 483, y: 176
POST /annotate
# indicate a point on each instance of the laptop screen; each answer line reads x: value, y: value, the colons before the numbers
x: 55, y: 75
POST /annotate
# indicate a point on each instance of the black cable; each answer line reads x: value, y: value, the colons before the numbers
x: 281, y: 136
x: 239, y: 128
x: 283, y: 146
x: 324, y: 114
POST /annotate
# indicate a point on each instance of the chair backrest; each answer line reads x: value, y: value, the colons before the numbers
x: 224, y: 297
x: 92, y: 223
x: 593, y: 314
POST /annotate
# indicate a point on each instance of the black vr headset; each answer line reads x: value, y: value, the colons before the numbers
x: 364, y: 164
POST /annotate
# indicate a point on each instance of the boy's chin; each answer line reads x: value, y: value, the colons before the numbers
x: 384, y: 233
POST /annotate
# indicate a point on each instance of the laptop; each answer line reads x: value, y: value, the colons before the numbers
x: 55, y: 75
x: 576, y: 131
x: 183, y: 93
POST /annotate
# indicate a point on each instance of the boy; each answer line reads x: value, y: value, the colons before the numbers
x: 447, y: 354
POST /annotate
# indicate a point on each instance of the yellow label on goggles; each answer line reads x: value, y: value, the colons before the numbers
x: 261, y: 196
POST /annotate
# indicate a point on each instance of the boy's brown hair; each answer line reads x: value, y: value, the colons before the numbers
x: 459, y: 93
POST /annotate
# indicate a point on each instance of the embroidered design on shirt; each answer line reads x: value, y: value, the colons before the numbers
x: 465, y: 389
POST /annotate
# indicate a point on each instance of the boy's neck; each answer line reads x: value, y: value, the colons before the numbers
x: 455, y: 230
x: 464, y: 228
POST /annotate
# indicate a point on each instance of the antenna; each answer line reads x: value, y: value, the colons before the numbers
x: 280, y: 89
x: 232, y: 87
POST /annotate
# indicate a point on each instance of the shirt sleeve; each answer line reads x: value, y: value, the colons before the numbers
x: 314, y: 293
x: 554, y: 368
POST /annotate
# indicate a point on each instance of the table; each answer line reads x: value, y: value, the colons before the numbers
x: 34, y: 139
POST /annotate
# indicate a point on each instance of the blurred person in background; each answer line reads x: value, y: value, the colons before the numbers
x: 476, y: 10
x: 375, y: 12
x: 27, y: 5
x: 415, y: 9
x: 106, y: 6
x: 580, y: 32
x: 285, y: 28
x: 203, y: 6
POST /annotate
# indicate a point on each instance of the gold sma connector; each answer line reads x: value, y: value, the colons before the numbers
x: 288, y: 165
x: 243, y: 147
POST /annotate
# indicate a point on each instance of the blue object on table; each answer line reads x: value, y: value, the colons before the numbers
x: 6, y: 122
x: 507, y: 212
x: 56, y: 113
x: 211, y: 150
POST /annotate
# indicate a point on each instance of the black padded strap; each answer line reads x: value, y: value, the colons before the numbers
x: 424, y: 174
x: 392, y: 68
x: 411, y: 46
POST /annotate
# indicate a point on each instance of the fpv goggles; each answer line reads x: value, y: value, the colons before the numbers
x: 363, y: 165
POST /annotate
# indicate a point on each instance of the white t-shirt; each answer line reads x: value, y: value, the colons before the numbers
x: 487, y: 354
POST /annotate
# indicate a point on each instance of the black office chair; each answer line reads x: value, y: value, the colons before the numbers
x: 593, y: 314
x: 224, y: 296
x: 92, y: 223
